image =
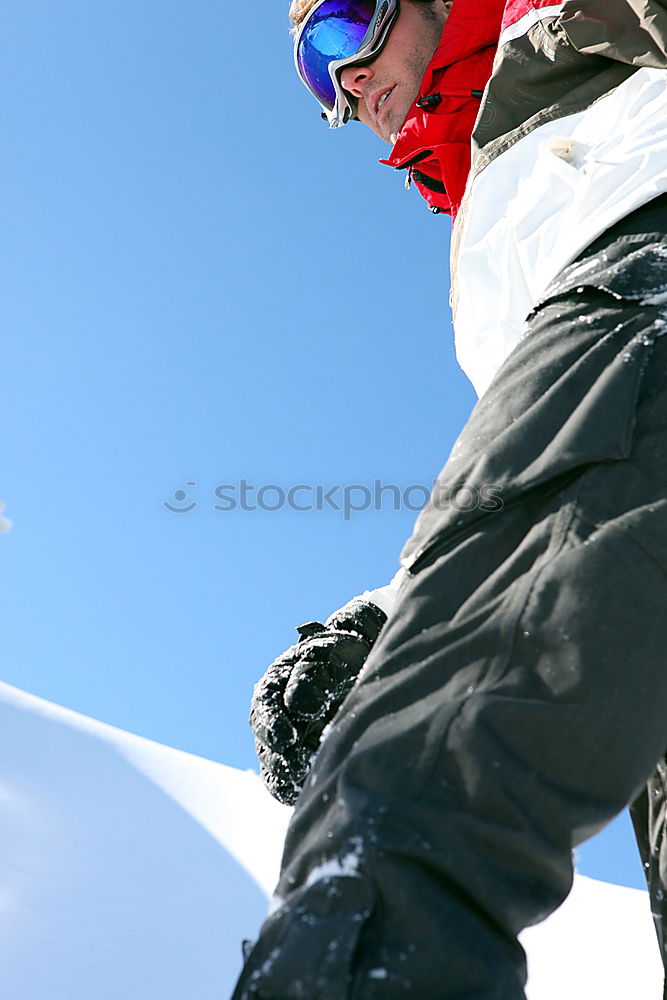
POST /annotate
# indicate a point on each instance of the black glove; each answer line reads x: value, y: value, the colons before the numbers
x: 303, y: 689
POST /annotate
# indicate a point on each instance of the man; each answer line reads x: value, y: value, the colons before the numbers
x: 450, y: 738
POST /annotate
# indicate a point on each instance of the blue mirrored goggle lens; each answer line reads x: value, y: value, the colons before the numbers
x: 335, y: 31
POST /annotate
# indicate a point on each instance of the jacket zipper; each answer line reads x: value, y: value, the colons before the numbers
x: 425, y: 103
x: 432, y: 100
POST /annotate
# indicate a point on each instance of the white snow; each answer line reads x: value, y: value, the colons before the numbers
x: 345, y: 867
x: 130, y: 869
x: 600, y: 943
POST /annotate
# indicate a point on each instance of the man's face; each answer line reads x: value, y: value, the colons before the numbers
x: 398, y: 70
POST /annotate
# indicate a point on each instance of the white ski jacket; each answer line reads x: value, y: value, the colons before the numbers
x: 570, y: 138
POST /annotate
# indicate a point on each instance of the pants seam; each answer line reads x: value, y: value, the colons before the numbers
x: 564, y: 521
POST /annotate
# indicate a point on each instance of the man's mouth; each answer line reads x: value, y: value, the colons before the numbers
x: 381, y: 99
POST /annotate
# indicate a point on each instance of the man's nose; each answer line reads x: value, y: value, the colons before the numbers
x: 354, y: 78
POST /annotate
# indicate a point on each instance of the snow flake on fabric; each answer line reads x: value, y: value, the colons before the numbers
x: 345, y: 866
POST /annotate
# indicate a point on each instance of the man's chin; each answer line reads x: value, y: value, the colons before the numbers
x: 390, y: 132
x: 394, y: 127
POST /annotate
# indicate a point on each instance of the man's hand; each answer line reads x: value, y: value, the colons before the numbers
x: 303, y: 689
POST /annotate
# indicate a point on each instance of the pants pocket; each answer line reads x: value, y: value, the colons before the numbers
x: 306, y: 949
x: 565, y: 398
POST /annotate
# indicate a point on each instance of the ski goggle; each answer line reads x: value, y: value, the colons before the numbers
x: 336, y: 34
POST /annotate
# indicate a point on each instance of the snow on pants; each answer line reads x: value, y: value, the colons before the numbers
x: 516, y: 699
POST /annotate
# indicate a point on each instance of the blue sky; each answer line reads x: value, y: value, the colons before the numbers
x: 202, y: 285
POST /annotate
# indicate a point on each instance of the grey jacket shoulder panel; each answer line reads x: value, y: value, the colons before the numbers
x: 539, y: 77
x: 628, y: 31
x: 564, y: 63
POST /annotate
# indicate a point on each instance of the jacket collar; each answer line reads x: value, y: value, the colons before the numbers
x: 471, y: 27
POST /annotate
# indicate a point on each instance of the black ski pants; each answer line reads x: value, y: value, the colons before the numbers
x: 516, y: 699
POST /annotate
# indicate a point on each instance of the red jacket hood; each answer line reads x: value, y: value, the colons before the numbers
x: 434, y: 142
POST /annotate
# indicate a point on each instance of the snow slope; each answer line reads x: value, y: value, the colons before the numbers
x: 130, y: 869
